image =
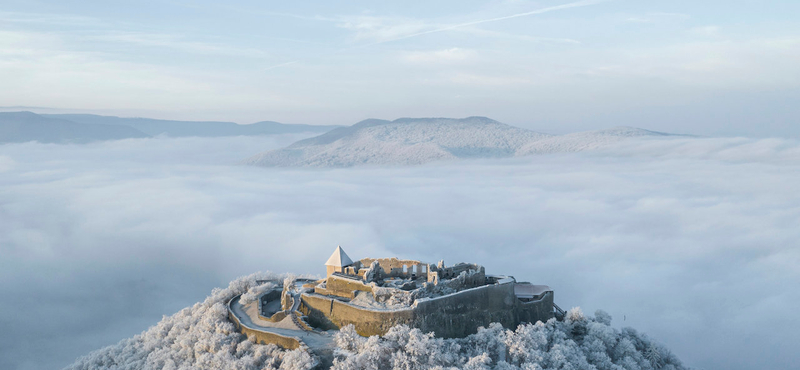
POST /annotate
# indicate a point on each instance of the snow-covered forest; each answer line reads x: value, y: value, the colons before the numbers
x: 580, y: 342
x: 202, y: 337
x: 199, y: 337
x: 413, y: 141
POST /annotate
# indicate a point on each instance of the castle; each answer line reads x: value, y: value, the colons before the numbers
x: 376, y: 294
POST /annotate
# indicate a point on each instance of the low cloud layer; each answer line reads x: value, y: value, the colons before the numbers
x: 694, y: 241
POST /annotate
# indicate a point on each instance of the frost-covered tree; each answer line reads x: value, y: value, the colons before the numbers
x: 577, y: 343
x: 201, y: 337
x: 255, y: 292
x: 198, y: 337
x: 654, y: 356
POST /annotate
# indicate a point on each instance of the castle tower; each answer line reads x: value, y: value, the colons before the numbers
x: 338, y: 261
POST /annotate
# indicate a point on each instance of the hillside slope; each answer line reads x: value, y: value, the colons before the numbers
x: 202, y: 337
x: 587, y: 140
x: 403, y: 141
x: 409, y: 141
x: 19, y: 127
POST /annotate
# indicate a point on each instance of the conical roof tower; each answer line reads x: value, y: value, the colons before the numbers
x: 338, y: 261
x: 339, y: 258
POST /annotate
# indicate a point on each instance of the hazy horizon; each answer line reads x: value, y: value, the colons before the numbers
x: 713, y: 68
x: 693, y: 241
x: 547, y: 130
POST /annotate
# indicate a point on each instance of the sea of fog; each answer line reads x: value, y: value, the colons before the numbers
x: 694, y: 241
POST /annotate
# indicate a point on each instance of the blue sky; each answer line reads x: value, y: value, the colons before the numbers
x: 709, y: 68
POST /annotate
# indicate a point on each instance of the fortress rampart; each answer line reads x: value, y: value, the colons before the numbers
x: 454, y: 315
x: 375, y: 295
x: 393, y: 267
x: 262, y: 337
x: 343, y: 286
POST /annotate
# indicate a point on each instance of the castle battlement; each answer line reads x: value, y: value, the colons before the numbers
x: 375, y: 294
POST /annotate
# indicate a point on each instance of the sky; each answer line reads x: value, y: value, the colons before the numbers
x: 716, y: 68
x: 693, y: 241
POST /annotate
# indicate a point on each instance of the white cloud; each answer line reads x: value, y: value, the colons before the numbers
x: 6, y: 163
x: 475, y: 79
x: 174, y: 42
x: 50, y: 70
x: 670, y: 15
x: 382, y: 28
x: 706, y: 31
x: 639, y: 20
x: 517, y: 37
x: 49, y: 19
x: 444, y: 56
x: 690, y: 239
x: 385, y: 29
x: 658, y: 17
x: 721, y: 64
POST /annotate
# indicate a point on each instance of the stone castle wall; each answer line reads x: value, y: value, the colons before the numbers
x: 328, y: 313
x: 455, y: 315
x: 262, y: 337
x: 393, y: 267
x: 541, y: 310
x: 343, y: 287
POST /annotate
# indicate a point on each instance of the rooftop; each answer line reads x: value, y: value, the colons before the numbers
x: 339, y: 258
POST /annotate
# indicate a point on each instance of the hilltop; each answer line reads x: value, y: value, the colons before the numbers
x: 410, y: 141
x: 202, y: 336
x: 403, y: 141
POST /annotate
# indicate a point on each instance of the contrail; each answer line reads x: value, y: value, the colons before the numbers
x: 281, y: 65
x: 576, y: 4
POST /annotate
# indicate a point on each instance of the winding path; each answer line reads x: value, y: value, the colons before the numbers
x: 290, y: 326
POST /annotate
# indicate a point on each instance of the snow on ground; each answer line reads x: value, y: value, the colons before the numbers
x: 410, y: 141
x: 197, y: 337
x: 201, y: 337
x: 580, y: 343
x: 402, y: 142
x: 248, y: 314
x: 581, y: 141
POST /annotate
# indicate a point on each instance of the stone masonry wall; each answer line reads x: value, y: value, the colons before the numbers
x: 394, y: 267
x: 541, y: 310
x: 461, y: 313
x: 455, y: 315
x: 344, y: 287
x: 263, y: 337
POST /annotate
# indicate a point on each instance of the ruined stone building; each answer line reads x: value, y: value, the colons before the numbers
x: 452, y: 301
x: 376, y: 294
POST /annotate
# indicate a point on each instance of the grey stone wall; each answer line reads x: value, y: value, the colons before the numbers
x: 541, y: 310
x: 455, y: 315
x: 461, y: 313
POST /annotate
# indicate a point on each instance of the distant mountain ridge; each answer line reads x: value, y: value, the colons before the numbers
x: 408, y: 141
x: 155, y: 127
x: 18, y: 127
x: 402, y: 141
